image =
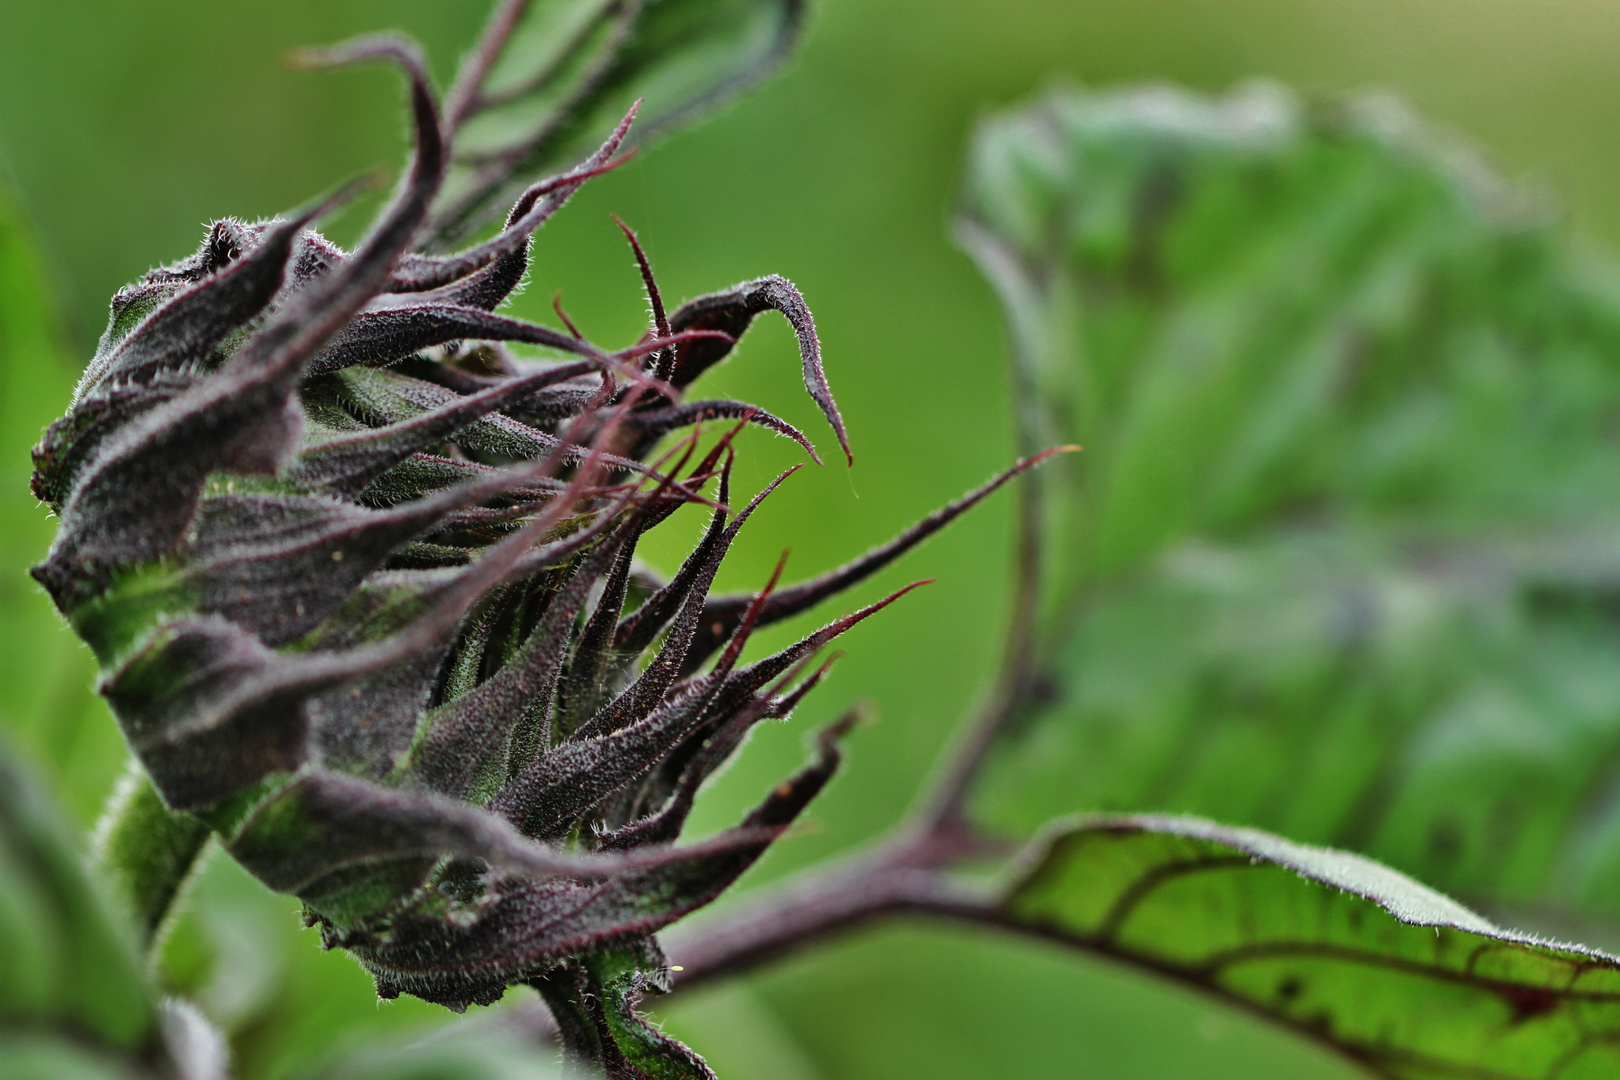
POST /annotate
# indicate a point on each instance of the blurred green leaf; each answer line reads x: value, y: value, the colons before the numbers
x: 47, y: 706
x: 75, y: 1002
x: 146, y: 852
x: 231, y: 947
x: 571, y: 68
x: 44, y: 1057
x: 472, y: 1051
x: 740, y: 1034
x: 1344, y: 950
x: 1339, y: 559
x: 68, y: 964
x: 241, y: 954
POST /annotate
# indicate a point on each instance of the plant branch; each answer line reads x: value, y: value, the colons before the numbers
x: 899, y: 875
x: 943, y: 808
x: 904, y: 873
x: 866, y: 890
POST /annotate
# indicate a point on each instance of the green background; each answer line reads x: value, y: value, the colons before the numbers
x: 123, y: 128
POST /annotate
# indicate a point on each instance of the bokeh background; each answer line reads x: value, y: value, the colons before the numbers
x: 125, y: 127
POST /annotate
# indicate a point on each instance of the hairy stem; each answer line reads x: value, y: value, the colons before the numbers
x: 943, y: 808
x: 801, y: 915
x: 900, y: 874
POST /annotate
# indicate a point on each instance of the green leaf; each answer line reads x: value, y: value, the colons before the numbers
x: 685, y: 57
x: 47, y: 708
x: 147, y: 852
x: 571, y: 68
x: 34, y: 1056
x: 74, y: 998
x: 1338, y: 558
x: 68, y: 963
x: 1343, y: 949
x: 470, y: 1051
x: 75, y: 1001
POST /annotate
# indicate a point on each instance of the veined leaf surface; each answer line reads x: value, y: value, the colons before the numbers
x: 1338, y: 559
x: 1396, y: 976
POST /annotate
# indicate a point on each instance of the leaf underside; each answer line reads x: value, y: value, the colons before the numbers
x: 1348, y: 952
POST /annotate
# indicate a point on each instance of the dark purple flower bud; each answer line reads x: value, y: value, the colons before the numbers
x: 362, y: 586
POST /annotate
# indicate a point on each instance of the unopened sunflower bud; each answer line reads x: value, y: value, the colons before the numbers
x: 362, y: 586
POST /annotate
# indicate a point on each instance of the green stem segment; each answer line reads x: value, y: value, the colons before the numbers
x: 147, y: 852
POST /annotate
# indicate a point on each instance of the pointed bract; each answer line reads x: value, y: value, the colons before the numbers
x: 363, y: 586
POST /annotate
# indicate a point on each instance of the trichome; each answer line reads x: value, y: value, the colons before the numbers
x: 362, y: 584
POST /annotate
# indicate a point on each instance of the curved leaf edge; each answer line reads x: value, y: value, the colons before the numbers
x: 1517, y: 1038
